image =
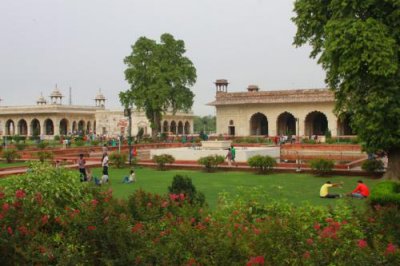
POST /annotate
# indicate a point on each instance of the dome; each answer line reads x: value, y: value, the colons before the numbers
x: 56, y: 93
x: 100, y: 96
x: 41, y: 99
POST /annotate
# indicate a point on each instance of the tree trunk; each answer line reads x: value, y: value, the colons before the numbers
x: 393, y: 168
x: 156, y: 125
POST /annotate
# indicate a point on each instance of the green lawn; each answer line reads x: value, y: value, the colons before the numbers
x: 5, y: 165
x: 295, y: 188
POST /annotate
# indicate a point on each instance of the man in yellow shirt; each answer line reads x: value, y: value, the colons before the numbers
x: 324, y: 192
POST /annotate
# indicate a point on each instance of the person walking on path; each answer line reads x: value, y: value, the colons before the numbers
x: 233, y: 151
x: 324, y: 191
x: 82, y: 167
x: 104, y: 163
x: 361, y: 191
x: 229, y: 157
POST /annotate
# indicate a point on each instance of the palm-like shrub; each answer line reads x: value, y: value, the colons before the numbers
x: 262, y: 163
x: 162, y: 160
x: 211, y: 162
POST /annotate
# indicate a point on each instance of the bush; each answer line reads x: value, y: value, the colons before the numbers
x: 10, y: 155
x: 18, y: 138
x: 95, y: 143
x: 372, y: 166
x: 42, y: 145
x: 162, y: 160
x: 118, y: 159
x: 386, y: 193
x: 322, y: 166
x: 20, y: 146
x: 44, y: 155
x: 79, y: 142
x: 263, y: 163
x: 211, y: 162
x: 183, y: 185
x: 57, y: 137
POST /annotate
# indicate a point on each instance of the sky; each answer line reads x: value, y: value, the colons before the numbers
x: 82, y: 44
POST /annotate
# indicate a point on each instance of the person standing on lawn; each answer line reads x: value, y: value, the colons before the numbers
x: 82, y: 167
x: 233, y: 151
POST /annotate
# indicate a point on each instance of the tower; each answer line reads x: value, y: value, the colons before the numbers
x: 56, y: 96
x: 41, y: 100
x: 100, y: 100
x: 221, y: 85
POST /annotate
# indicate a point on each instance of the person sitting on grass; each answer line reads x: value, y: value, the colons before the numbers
x: 130, y: 179
x: 324, y: 191
x: 104, y: 179
x: 361, y: 191
x: 89, y: 174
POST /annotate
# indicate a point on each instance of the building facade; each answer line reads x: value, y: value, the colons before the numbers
x: 52, y: 118
x: 307, y: 112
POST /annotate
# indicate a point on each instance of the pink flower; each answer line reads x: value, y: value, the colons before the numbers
x: 317, y: 226
x: 306, y: 255
x: 9, y: 230
x: 6, y: 207
x: 45, y: 219
x: 310, y: 241
x: 23, y: 230
x: 91, y: 228
x: 20, y: 194
x: 259, y: 260
x: 2, y: 195
x: 164, y: 204
x: 173, y: 197
x: 390, y: 249
x: 193, y: 220
x: 256, y: 231
x: 94, y: 202
x: 137, y: 227
x: 328, y: 220
x: 182, y: 197
x: 362, y: 243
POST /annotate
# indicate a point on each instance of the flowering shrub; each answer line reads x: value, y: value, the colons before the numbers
x: 183, y: 185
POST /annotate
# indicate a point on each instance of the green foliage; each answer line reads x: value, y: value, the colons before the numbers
x: 10, y: 155
x: 79, y: 142
x: 211, y: 162
x: 160, y: 76
x: 205, y: 123
x: 42, y: 145
x: 386, y: 193
x: 118, y: 159
x: 44, y: 155
x: 95, y: 143
x: 183, y: 185
x: 322, y: 166
x: 162, y: 160
x: 57, y: 137
x: 357, y: 43
x: 18, y: 138
x: 263, y: 163
x: 20, y: 146
x: 372, y: 165
x: 253, y: 140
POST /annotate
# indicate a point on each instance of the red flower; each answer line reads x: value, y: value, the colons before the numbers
x: 182, y: 197
x: 2, y: 195
x: 164, y: 204
x: 1, y: 216
x: 191, y: 262
x: 306, y: 255
x: 137, y: 227
x: 20, y: 194
x: 45, y: 219
x: 192, y: 220
x: 328, y: 220
x: 91, y: 228
x: 390, y: 249
x: 317, y: 226
x: 58, y: 220
x: 94, y: 202
x: 310, y: 241
x: 6, y: 207
x: 42, y: 249
x: 362, y: 243
x: 173, y: 197
x: 259, y: 260
x: 9, y: 230
x: 256, y: 231
x: 23, y: 230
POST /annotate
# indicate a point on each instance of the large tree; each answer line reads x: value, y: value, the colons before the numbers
x: 160, y: 77
x: 357, y: 42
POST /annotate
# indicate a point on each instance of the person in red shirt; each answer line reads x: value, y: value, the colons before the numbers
x: 361, y: 190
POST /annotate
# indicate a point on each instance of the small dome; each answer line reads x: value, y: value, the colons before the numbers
x: 41, y: 99
x: 100, y: 96
x: 56, y: 93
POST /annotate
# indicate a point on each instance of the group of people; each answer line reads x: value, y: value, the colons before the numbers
x: 360, y: 192
x: 86, y: 173
x: 230, y: 156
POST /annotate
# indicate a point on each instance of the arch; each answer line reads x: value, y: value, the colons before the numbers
x: 74, y: 127
x: 165, y: 126
x: 258, y: 124
x: 286, y: 124
x: 187, y: 127
x: 231, y: 123
x: 173, y: 127
x: 316, y: 123
x: 88, y: 127
x: 48, y: 127
x: 64, y: 126
x: 10, y: 127
x: 35, y: 127
x: 81, y: 126
x: 344, y: 126
x: 22, y: 127
x: 180, y: 128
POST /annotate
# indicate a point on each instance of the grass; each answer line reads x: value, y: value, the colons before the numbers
x: 292, y: 187
x: 5, y: 165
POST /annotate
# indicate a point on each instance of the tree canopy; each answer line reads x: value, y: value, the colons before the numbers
x: 160, y: 77
x: 357, y: 42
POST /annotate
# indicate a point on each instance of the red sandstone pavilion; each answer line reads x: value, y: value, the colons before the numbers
x: 304, y: 113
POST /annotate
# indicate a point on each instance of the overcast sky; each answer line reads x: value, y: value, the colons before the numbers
x: 82, y: 44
